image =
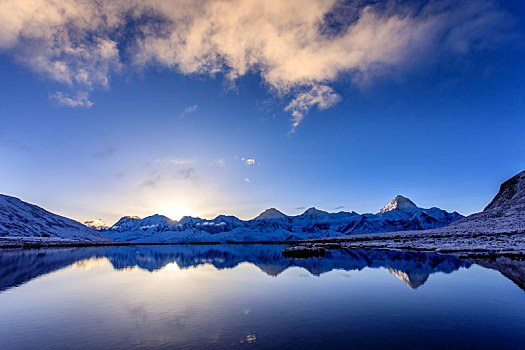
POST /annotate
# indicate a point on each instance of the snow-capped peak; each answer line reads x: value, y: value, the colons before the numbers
x: 399, y: 202
x: 157, y: 217
x: 271, y: 214
x: 125, y: 220
x: 313, y: 212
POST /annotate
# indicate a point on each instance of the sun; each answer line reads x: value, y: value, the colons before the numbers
x: 171, y: 267
x: 174, y: 211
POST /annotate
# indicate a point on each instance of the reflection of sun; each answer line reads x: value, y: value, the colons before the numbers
x: 173, y: 211
x: 171, y: 267
x: 91, y: 263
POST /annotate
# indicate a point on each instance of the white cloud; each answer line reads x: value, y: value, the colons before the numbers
x: 248, y: 161
x: 293, y: 45
x: 189, y: 110
x: 79, y: 100
x: 321, y: 96
x: 67, y: 40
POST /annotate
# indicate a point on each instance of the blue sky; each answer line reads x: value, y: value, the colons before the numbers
x: 359, y: 102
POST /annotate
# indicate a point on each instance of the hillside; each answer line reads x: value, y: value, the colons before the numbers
x: 21, y: 219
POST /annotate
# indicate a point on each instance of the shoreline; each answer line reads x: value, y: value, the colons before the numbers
x: 453, y: 243
x: 396, y: 241
x: 29, y: 244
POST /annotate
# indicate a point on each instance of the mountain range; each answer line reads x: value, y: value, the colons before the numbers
x: 21, y: 219
x: 505, y: 214
x: 498, y: 229
x: 272, y: 225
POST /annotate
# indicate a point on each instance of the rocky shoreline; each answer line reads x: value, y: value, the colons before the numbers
x: 462, y: 245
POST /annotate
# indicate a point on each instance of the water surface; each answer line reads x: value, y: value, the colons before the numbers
x: 224, y: 296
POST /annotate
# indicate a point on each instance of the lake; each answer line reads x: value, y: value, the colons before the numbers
x: 250, y: 296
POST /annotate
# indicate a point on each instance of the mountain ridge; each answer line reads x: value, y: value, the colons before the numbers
x: 498, y: 229
x: 505, y: 213
x: 22, y: 219
x: 273, y: 225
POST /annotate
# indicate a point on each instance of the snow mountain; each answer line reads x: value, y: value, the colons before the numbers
x: 273, y: 225
x: 499, y: 228
x: 21, y: 219
x: 271, y: 214
x: 504, y: 214
x: 399, y: 202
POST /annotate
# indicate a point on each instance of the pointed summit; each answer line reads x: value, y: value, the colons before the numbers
x: 399, y: 202
x: 125, y: 220
x: 271, y: 214
x: 313, y: 212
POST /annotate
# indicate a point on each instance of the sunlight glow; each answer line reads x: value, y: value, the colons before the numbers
x: 171, y: 267
x: 174, y: 211
x: 91, y: 263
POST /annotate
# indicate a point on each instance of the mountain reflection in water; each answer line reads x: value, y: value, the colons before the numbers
x: 414, y: 268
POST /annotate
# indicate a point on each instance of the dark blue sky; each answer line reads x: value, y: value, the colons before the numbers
x: 437, y: 116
